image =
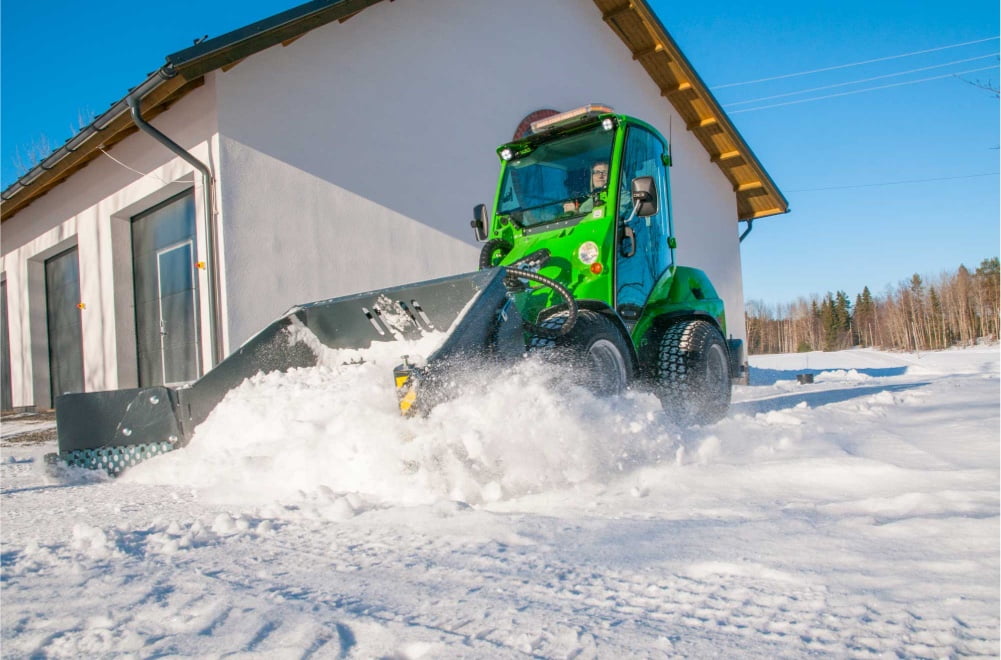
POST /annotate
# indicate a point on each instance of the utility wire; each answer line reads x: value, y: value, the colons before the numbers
x: 895, y: 183
x: 845, y: 66
x: 132, y: 169
x: 859, y: 91
x: 862, y: 80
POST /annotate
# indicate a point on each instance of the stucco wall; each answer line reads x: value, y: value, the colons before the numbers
x: 404, y: 104
x: 346, y: 161
x: 91, y: 210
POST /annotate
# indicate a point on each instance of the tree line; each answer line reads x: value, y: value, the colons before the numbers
x: 918, y: 314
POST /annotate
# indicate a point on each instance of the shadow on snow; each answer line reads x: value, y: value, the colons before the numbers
x: 816, y: 398
x: 772, y: 376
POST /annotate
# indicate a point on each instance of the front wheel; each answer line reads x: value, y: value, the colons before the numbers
x: 595, y: 351
x: 693, y: 373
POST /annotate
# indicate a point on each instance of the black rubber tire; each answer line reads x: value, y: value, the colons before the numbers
x: 693, y: 373
x: 598, y: 356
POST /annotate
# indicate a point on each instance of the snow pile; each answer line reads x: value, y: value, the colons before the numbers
x: 853, y: 517
x: 336, y: 426
x: 842, y: 376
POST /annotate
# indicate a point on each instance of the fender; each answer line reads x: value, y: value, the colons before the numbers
x: 680, y: 293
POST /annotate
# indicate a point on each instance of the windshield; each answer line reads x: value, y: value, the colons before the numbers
x: 557, y: 180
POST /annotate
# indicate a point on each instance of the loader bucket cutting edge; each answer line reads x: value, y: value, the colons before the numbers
x: 115, y: 429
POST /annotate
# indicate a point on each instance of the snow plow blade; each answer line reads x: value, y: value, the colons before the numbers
x: 116, y: 429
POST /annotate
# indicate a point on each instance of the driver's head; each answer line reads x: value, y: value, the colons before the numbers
x: 599, y: 175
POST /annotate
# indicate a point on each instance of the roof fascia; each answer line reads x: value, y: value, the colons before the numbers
x: 757, y: 194
x: 234, y: 46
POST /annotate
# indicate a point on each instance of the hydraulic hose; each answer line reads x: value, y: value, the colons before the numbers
x: 489, y: 248
x: 558, y: 288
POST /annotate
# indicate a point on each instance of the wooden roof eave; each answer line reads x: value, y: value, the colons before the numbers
x: 102, y: 134
x: 635, y: 23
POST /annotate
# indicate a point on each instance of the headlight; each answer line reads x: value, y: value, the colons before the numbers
x: 506, y: 154
x: 588, y: 252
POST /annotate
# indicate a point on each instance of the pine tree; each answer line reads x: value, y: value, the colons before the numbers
x: 843, y: 320
x: 865, y: 318
x: 916, y: 312
x: 919, y: 313
x: 988, y: 281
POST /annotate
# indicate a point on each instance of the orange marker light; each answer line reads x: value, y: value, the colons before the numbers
x: 81, y: 305
x: 596, y: 268
x: 200, y: 265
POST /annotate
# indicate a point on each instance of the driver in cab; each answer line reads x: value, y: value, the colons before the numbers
x: 599, y: 181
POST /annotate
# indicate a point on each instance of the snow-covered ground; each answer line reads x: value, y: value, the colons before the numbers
x: 855, y: 517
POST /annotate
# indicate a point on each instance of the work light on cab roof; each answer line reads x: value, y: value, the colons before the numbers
x: 571, y: 117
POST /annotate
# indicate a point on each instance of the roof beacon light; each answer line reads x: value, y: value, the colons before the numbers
x: 569, y: 117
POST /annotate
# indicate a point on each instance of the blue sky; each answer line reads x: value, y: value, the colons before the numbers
x: 838, y: 160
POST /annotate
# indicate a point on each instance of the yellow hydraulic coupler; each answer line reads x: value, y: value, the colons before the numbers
x: 406, y: 377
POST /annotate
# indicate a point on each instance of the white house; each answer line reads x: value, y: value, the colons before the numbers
x: 337, y: 147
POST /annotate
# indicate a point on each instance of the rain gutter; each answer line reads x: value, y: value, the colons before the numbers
x: 98, y: 125
x: 133, y: 101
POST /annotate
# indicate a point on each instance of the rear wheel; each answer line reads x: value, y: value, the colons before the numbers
x: 595, y: 351
x: 693, y: 373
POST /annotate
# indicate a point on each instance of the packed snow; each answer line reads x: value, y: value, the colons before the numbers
x: 856, y: 516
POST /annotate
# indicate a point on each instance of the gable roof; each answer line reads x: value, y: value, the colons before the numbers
x: 632, y: 20
x: 652, y: 46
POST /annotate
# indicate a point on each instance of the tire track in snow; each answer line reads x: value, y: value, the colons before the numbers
x: 497, y: 590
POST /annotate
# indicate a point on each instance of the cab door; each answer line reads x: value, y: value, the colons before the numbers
x: 643, y: 252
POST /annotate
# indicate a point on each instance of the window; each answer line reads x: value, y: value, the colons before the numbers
x: 537, y: 187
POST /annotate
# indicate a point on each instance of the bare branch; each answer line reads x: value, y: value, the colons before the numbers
x: 26, y: 158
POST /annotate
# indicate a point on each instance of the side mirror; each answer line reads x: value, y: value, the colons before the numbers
x: 644, y: 194
x: 481, y: 222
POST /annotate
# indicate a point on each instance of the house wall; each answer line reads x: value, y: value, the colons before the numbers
x: 346, y: 161
x: 395, y: 115
x: 92, y: 210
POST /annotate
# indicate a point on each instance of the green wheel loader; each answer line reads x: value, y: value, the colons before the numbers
x: 577, y: 266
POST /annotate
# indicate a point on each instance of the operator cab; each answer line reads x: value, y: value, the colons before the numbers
x: 601, y: 176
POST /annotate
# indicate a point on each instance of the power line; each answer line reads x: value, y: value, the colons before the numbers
x: 845, y: 66
x: 862, y: 80
x: 859, y: 91
x: 895, y: 183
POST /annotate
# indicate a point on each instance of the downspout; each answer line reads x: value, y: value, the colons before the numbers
x: 215, y: 317
x: 750, y: 226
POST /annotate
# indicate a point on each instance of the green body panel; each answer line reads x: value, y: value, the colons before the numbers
x: 679, y: 292
x: 682, y: 292
x: 563, y: 265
